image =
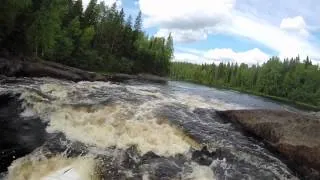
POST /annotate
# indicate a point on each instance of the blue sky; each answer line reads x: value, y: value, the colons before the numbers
x: 250, y: 31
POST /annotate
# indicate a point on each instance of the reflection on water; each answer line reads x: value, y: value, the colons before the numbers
x: 100, y: 130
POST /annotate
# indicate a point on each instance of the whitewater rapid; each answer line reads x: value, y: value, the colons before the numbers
x: 134, y: 131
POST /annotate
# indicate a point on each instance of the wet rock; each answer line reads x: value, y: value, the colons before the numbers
x: 18, y: 68
x: 19, y: 135
x: 149, y: 155
x: 161, y: 168
x: 203, y: 157
x: 131, y: 158
x: 119, y: 164
x: 15, y: 67
x: 295, y: 136
x: 59, y: 144
x: 109, y: 167
x: 148, y: 78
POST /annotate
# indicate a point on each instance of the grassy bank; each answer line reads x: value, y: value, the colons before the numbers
x: 296, y: 104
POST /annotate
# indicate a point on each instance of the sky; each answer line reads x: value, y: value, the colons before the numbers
x: 248, y: 31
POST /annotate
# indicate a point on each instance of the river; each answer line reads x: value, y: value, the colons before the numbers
x: 103, y: 130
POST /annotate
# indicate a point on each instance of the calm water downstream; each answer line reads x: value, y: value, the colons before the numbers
x: 101, y: 130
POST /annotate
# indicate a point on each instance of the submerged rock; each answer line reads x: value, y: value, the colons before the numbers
x: 203, y: 157
x: 295, y: 136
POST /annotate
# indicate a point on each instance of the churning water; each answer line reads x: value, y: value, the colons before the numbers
x: 103, y: 130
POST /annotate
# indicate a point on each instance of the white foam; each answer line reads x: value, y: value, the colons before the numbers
x: 145, y: 91
x: 122, y: 125
x: 57, y: 91
x: 55, y: 168
x: 195, y: 101
x: 114, y: 126
x: 200, y: 173
x: 35, y: 104
x: 28, y: 112
x: 67, y: 173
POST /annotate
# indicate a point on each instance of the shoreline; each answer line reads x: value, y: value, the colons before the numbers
x: 295, y: 104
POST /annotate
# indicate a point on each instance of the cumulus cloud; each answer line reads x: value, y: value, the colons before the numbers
x: 253, y: 56
x: 191, y: 58
x: 286, y: 44
x: 295, y: 24
x: 181, y: 14
x: 217, y: 55
x: 188, y: 21
x: 183, y: 36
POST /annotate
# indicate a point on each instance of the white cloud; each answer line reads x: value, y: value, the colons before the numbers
x: 253, y: 56
x: 191, y: 58
x: 188, y: 21
x: 286, y: 44
x: 183, y: 36
x: 274, y: 10
x: 295, y: 24
x: 107, y: 2
x: 181, y: 14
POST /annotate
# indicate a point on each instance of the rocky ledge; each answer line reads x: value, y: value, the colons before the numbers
x: 296, y: 137
x: 16, y: 67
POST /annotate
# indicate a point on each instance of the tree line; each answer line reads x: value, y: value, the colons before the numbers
x: 98, y: 38
x: 293, y: 79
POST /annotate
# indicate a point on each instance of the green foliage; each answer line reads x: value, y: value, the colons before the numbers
x: 97, y: 38
x: 290, y: 79
x: 43, y: 31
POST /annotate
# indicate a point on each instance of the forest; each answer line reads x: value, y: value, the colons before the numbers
x: 291, y: 79
x: 98, y: 38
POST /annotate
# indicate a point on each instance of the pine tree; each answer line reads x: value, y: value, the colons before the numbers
x: 129, y: 22
x: 138, y: 22
x: 121, y: 17
x: 307, y: 62
x: 91, y: 14
x: 78, y: 9
x: 169, y: 46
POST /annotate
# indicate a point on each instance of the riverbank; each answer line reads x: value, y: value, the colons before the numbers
x: 16, y: 67
x: 297, y: 104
